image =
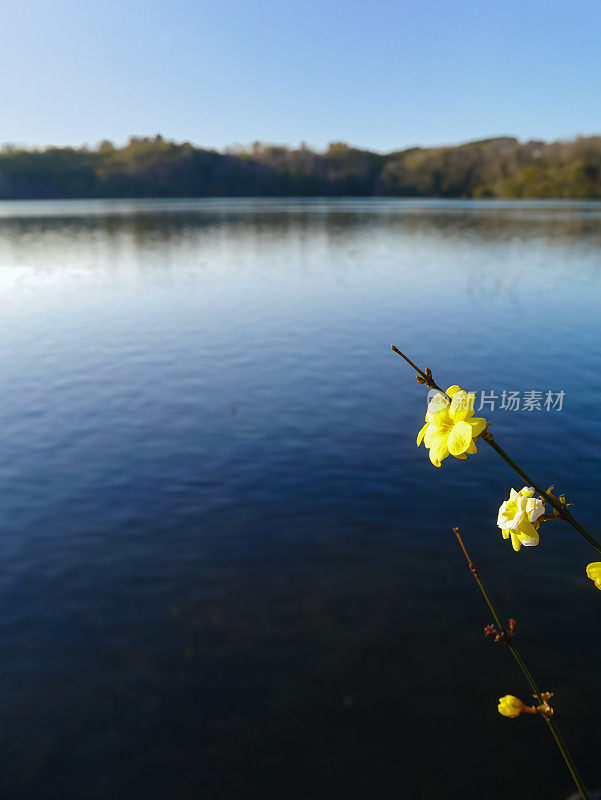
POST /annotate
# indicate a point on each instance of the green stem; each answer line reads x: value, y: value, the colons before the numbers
x: 563, y: 748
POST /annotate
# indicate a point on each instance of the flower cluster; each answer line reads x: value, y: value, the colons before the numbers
x: 519, y: 517
x: 451, y: 427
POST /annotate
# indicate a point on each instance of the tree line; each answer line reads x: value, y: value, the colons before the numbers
x: 502, y: 167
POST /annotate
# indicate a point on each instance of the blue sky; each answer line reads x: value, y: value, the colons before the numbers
x: 377, y: 74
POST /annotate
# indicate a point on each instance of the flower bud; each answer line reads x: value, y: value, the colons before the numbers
x: 510, y: 706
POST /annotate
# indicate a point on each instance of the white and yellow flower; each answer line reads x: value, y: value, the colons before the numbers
x: 519, y: 517
x: 450, y: 427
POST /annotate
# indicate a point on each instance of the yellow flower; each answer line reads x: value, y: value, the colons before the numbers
x: 518, y: 517
x: 510, y: 706
x: 594, y: 572
x: 450, y: 427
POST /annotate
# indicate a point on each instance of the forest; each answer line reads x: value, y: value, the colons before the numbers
x: 501, y: 167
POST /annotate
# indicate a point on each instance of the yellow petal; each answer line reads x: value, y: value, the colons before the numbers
x: 459, y: 438
x: 472, y: 448
x: 462, y: 406
x: 594, y: 572
x: 459, y: 410
x: 515, y: 542
x: 439, y: 449
x: 431, y: 433
x: 438, y: 411
x: 421, y: 434
x: 478, y: 424
x: 452, y: 389
x: 527, y: 533
x: 531, y: 541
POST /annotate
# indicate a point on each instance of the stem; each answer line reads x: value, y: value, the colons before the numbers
x: 411, y: 364
x: 488, y: 438
x: 563, y: 748
x: 427, y: 378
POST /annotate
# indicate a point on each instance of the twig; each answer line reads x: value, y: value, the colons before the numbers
x: 507, y: 638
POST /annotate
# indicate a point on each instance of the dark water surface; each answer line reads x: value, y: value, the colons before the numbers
x: 227, y: 571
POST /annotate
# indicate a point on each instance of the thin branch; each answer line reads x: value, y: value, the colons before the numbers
x: 507, y: 638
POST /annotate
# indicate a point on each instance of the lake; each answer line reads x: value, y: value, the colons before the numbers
x: 227, y: 571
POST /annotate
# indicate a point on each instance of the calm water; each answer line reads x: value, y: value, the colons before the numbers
x: 227, y: 571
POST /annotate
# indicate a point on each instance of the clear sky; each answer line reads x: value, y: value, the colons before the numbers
x: 382, y: 75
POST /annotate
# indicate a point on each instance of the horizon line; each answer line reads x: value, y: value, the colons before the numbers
x: 232, y: 148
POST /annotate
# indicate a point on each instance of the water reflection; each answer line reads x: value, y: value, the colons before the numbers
x: 223, y: 554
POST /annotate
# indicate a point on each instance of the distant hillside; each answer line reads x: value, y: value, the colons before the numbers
x: 153, y: 167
